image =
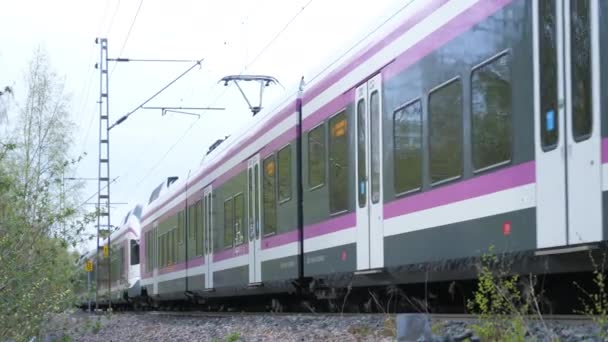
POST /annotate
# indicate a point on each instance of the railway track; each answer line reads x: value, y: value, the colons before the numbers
x: 565, y: 319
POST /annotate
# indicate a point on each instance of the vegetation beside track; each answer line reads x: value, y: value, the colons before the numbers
x: 39, y: 214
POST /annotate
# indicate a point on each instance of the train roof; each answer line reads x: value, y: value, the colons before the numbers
x: 329, y: 74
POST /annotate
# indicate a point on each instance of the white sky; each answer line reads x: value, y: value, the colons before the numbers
x: 229, y: 34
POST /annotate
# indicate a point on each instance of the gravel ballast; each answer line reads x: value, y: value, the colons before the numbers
x: 151, y: 326
x: 236, y: 327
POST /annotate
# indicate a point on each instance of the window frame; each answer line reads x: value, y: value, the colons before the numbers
x: 506, y: 52
x: 345, y: 111
x: 422, y: 149
x: 429, y: 128
x: 320, y: 125
x: 278, y: 175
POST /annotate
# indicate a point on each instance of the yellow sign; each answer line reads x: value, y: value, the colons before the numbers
x: 339, y: 128
x: 88, y: 266
x: 270, y: 168
x: 106, y: 251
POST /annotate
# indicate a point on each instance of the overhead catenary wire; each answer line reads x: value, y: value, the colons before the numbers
x: 96, y: 192
x: 126, y: 116
x: 262, y: 51
x: 124, y: 44
x: 360, y: 41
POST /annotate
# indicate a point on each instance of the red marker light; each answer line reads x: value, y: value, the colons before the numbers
x: 506, y: 228
x: 343, y: 256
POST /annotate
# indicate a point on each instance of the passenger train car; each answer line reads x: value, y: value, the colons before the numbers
x: 124, y: 274
x: 459, y: 125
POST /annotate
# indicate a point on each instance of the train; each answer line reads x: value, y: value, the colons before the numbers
x: 458, y: 126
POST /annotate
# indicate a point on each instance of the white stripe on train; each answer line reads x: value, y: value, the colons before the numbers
x: 430, y: 24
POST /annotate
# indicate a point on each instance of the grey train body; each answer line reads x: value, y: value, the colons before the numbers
x: 448, y: 155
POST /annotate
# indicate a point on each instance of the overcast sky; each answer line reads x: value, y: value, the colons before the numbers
x: 229, y: 34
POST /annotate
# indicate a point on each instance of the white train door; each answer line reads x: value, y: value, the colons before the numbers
x: 368, y: 123
x: 253, y: 202
x: 567, y: 122
x: 208, y: 237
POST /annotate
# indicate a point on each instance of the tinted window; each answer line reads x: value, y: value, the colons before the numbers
x: 338, y: 163
x: 256, y: 186
x: 445, y: 117
x: 375, y: 157
x: 361, y: 154
x: 547, y: 50
x: 580, y: 40
x: 284, y: 157
x: 491, y: 113
x: 180, y: 227
x: 191, y: 222
x: 200, y: 227
x: 316, y: 157
x: 239, y: 219
x: 134, y: 252
x: 137, y: 211
x: 407, y: 131
x: 228, y: 223
x: 269, y: 199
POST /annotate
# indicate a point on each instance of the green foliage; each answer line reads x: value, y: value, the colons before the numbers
x: 39, y: 218
x: 498, y: 303
x: 233, y: 337
x: 595, y: 303
x: 96, y: 327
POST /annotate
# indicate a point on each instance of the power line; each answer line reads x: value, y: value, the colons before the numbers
x: 96, y: 192
x: 113, y: 16
x: 126, y: 116
x: 264, y: 49
x: 361, y: 40
x: 277, y: 35
x: 124, y: 44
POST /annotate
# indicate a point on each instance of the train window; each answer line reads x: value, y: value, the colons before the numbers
x: 580, y: 47
x: 239, y: 219
x: 256, y: 176
x: 134, y: 245
x: 161, y: 249
x: 316, y: 157
x: 137, y: 211
x: 491, y: 113
x: 174, y: 245
x: 284, y: 173
x: 407, y: 132
x: 374, y: 123
x: 200, y: 227
x: 166, y: 250
x: 192, y: 220
x: 147, y: 251
x: 180, y: 227
x: 445, y: 118
x: 547, y: 49
x: 338, y: 163
x: 228, y: 223
x: 269, y: 202
x: 361, y: 154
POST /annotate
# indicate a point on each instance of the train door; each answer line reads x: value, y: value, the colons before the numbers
x: 208, y: 236
x: 567, y: 121
x: 370, y: 234
x: 253, y: 202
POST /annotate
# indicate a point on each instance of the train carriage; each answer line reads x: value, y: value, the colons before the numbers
x: 460, y: 125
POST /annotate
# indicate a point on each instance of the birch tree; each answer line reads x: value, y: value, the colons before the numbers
x: 38, y: 214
